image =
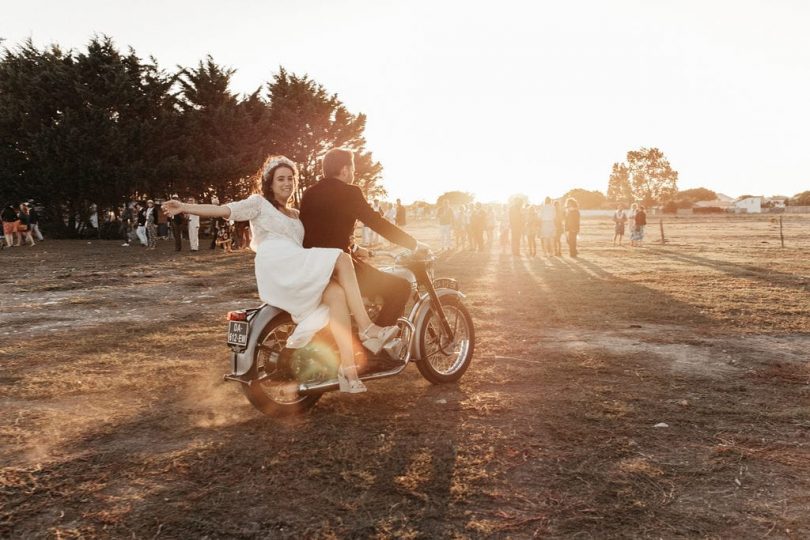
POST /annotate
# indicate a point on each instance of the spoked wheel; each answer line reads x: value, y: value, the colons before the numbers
x: 273, y: 389
x: 444, y: 360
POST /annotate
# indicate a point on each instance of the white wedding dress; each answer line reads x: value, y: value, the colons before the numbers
x: 288, y: 276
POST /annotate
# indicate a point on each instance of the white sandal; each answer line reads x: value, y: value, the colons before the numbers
x: 353, y: 385
x: 376, y: 343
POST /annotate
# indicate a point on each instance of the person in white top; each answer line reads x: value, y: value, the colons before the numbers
x: 547, y: 216
x: 193, y: 228
x: 316, y: 286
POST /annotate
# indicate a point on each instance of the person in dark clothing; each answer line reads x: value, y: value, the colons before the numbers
x: 478, y: 222
x: 140, y: 230
x: 177, y: 223
x: 516, y: 225
x: 33, y: 218
x: 329, y: 210
x: 559, y: 228
x: 640, y: 220
x: 572, y: 225
x: 11, y: 224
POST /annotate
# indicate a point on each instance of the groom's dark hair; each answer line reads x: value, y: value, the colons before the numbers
x: 334, y: 161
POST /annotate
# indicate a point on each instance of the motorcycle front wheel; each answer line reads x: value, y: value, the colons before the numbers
x: 273, y: 387
x: 444, y: 360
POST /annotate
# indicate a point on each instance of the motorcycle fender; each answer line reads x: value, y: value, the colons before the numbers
x: 242, y: 361
x: 420, y: 311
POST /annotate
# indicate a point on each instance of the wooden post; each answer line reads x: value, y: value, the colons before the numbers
x: 663, y: 239
x: 781, y: 235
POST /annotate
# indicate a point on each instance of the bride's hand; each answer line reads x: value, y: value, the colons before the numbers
x: 172, y: 207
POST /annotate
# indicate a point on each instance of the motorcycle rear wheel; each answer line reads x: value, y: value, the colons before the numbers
x: 443, y: 360
x: 271, y: 390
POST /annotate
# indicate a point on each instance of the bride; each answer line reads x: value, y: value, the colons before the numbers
x: 316, y: 286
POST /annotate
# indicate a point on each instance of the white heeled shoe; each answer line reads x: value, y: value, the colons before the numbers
x: 376, y: 343
x: 350, y: 386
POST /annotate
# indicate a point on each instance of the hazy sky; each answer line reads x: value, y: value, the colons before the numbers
x: 505, y: 97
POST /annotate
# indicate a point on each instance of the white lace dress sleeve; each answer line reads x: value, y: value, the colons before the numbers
x: 247, y: 209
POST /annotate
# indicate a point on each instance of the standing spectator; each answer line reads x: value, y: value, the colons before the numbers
x: 468, y: 226
x: 619, y: 219
x: 445, y: 216
x: 24, y: 226
x: 516, y: 225
x: 572, y: 225
x: 559, y: 227
x: 140, y: 230
x: 504, y: 230
x: 33, y: 218
x: 162, y: 223
x: 640, y: 220
x: 177, y: 222
x: 401, y: 218
x: 547, y: 215
x: 477, y: 223
x: 151, y: 224
x: 215, y: 224
x: 631, y: 220
x: 125, y: 229
x: 532, y: 228
x: 390, y: 212
x: 193, y: 228
x: 11, y: 224
x: 489, y: 226
x: 458, y: 227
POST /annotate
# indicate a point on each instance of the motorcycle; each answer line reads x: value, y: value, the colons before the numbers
x: 437, y: 334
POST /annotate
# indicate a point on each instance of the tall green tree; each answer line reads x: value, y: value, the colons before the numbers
x: 619, y: 184
x: 645, y: 176
x: 652, y: 179
x: 82, y: 128
x: 224, y: 137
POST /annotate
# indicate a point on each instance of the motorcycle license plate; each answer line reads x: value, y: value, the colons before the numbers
x: 237, y: 333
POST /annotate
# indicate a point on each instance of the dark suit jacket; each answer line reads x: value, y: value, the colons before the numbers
x: 329, y: 210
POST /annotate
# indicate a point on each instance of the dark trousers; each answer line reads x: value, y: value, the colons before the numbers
x: 177, y: 232
x: 572, y: 243
x: 393, y: 290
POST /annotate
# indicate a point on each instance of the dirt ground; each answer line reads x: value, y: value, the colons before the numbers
x: 116, y: 422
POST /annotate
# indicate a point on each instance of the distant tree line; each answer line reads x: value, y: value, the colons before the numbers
x: 102, y: 126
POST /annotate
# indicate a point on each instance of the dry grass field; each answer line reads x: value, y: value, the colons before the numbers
x: 116, y: 422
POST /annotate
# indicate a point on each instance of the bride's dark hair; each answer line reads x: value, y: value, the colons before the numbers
x: 264, y: 176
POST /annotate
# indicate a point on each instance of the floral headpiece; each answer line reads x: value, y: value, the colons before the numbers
x: 275, y: 162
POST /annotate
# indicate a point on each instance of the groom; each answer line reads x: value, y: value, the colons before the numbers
x: 328, y: 212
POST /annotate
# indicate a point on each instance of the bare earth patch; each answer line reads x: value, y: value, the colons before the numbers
x: 117, y: 424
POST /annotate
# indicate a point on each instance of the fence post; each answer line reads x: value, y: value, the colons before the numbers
x: 781, y: 235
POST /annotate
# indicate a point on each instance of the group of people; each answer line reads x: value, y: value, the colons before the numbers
x: 20, y: 225
x: 394, y: 213
x: 474, y: 226
x: 635, y: 219
x: 144, y: 223
x: 549, y: 222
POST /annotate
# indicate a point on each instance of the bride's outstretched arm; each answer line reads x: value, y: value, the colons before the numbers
x: 174, y: 207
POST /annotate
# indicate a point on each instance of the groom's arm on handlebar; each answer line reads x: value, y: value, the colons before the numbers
x: 378, y: 224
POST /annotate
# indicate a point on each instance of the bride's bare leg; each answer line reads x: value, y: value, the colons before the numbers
x: 341, y: 325
x: 344, y: 272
